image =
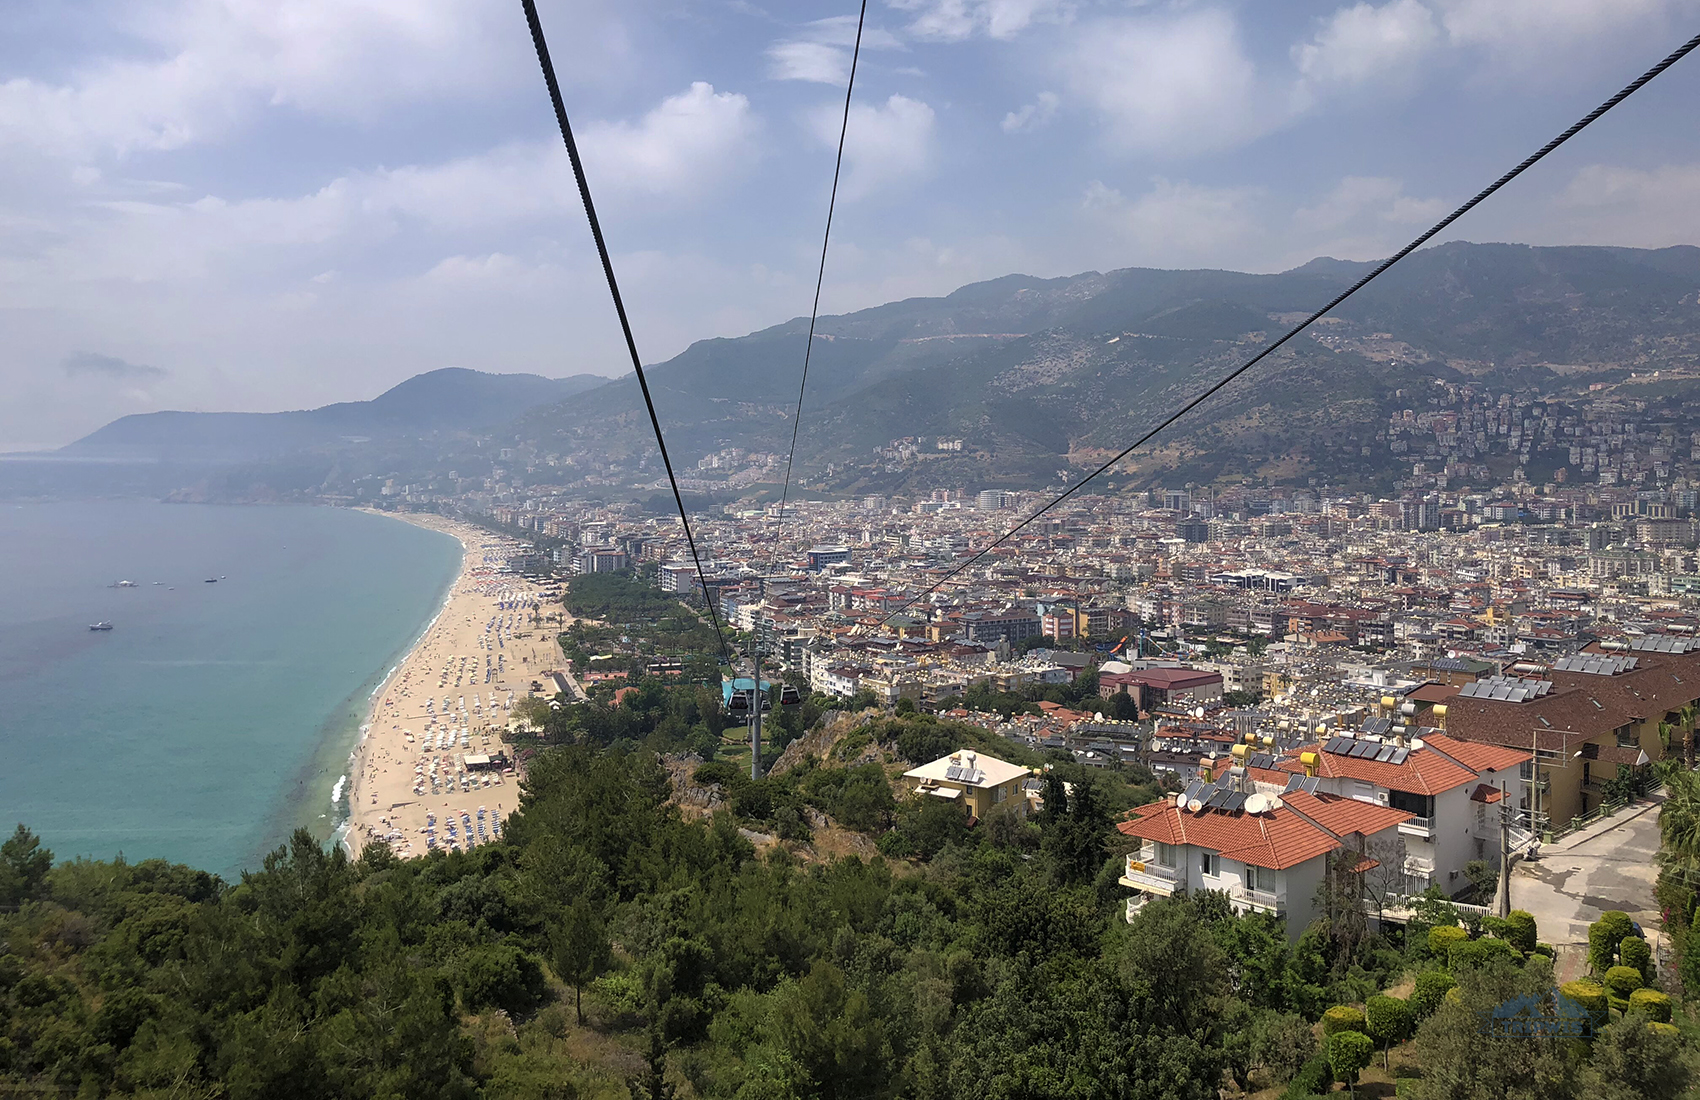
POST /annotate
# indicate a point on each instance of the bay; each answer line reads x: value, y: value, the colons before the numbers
x: 214, y: 718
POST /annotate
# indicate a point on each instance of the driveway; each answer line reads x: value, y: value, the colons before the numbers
x: 1610, y: 865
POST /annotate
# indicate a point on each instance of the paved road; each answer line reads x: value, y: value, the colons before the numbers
x: 1610, y: 865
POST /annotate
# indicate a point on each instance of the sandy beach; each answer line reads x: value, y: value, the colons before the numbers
x: 418, y: 779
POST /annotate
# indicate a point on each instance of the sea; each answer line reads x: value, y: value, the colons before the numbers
x: 213, y: 719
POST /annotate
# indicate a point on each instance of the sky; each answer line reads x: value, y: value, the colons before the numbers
x: 273, y: 204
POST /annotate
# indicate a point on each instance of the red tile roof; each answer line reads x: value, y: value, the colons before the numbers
x: 1423, y: 772
x: 1304, y: 827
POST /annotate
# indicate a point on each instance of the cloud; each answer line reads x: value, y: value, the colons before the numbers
x: 1376, y: 197
x: 811, y: 61
x: 1169, y: 85
x: 1515, y: 24
x: 1175, y: 222
x: 884, y: 144
x: 687, y: 144
x: 1033, y: 115
x: 1646, y: 208
x: 955, y: 20
x: 1364, y: 43
x: 176, y: 75
x: 820, y: 51
x: 82, y: 363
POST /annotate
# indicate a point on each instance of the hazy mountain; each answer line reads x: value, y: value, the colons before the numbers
x: 1030, y: 371
x: 441, y: 401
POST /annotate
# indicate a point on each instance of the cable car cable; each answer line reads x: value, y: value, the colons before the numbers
x: 619, y: 304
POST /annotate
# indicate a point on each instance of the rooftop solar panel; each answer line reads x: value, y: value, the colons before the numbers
x: 953, y: 773
x: 1385, y: 754
x: 1234, y: 803
x: 1399, y: 755
x: 1364, y: 749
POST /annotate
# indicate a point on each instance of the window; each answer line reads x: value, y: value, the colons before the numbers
x: 1626, y: 738
x: 1421, y: 805
x: 1210, y: 863
x: 1261, y: 879
x: 1163, y: 855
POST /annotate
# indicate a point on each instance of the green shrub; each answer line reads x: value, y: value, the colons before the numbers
x: 1432, y: 985
x: 1659, y: 1028
x: 1634, y: 951
x: 1471, y: 954
x: 1621, y: 981
x: 1654, y: 1004
x: 1390, y: 1020
x: 1343, y: 1018
x: 1348, y: 1053
x: 1591, y: 995
x: 1313, y: 1078
x: 1440, y: 940
x: 1546, y: 949
x: 1603, y: 937
x: 1520, y: 930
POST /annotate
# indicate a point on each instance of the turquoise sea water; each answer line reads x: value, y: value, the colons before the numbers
x: 214, y: 718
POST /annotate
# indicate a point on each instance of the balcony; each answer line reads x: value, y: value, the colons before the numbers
x: 1418, y: 826
x: 1140, y: 875
x: 1264, y: 901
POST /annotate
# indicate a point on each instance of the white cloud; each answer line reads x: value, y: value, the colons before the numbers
x: 1363, y: 43
x: 1169, y: 85
x: 820, y: 51
x: 190, y: 72
x: 1375, y: 197
x: 1033, y: 115
x: 1646, y: 208
x: 954, y: 20
x: 884, y: 144
x: 1175, y: 223
x: 690, y: 142
x: 811, y: 61
x: 1516, y: 24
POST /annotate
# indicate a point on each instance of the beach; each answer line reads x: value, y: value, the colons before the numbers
x: 427, y: 772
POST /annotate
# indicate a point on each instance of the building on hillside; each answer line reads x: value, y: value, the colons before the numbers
x: 981, y: 782
x: 599, y: 559
x: 1151, y: 687
x: 1587, y: 718
x: 1268, y: 853
x: 1453, y: 790
x: 822, y: 556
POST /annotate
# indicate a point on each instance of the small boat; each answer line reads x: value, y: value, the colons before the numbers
x: 102, y: 625
x: 212, y: 580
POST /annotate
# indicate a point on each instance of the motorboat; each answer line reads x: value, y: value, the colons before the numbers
x: 102, y: 625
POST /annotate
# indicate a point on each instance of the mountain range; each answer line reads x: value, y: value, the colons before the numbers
x: 449, y: 400
x: 1037, y: 376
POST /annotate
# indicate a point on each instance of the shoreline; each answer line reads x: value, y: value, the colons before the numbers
x: 409, y: 780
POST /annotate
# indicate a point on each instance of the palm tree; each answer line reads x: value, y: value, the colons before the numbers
x: 1679, y: 821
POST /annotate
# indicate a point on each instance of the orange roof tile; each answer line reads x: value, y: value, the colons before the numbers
x: 1304, y: 827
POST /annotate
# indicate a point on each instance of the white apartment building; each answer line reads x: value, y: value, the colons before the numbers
x: 1268, y: 853
x: 1453, y: 790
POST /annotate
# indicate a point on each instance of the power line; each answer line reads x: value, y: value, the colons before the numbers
x: 619, y: 303
x: 1635, y: 85
x: 820, y: 276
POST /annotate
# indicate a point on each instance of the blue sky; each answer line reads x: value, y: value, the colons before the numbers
x: 265, y: 204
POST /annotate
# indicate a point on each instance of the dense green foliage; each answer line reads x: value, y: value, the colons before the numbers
x: 635, y: 620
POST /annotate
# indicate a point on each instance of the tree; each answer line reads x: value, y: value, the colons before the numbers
x: 1390, y: 1021
x: 1633, y: 1061
x: 652, y: 1083
x: 1282, y: 1042
x: 579, y: 949
x: 1349, y: 1052
x: 24, y: 864
x: 1462, y: 1060
x: 1603, y: 937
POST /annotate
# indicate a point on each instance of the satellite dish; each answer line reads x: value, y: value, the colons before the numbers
x: 1274, y: 801
x: 1099, y: 717
x: 1198, y: 712
x: 1180, y: 800
x: 1256, y: 804
x: 1194, y: 805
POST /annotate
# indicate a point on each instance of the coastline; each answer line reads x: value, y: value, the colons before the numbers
x: 416, y: 771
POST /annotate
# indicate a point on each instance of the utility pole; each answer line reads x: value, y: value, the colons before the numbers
x: 758, y: 697
x: 1502, y: 896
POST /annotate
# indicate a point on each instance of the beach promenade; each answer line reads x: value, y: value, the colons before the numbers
x: 419, y: 778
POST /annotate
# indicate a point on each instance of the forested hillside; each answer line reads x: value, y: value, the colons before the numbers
x: 989, y: 962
